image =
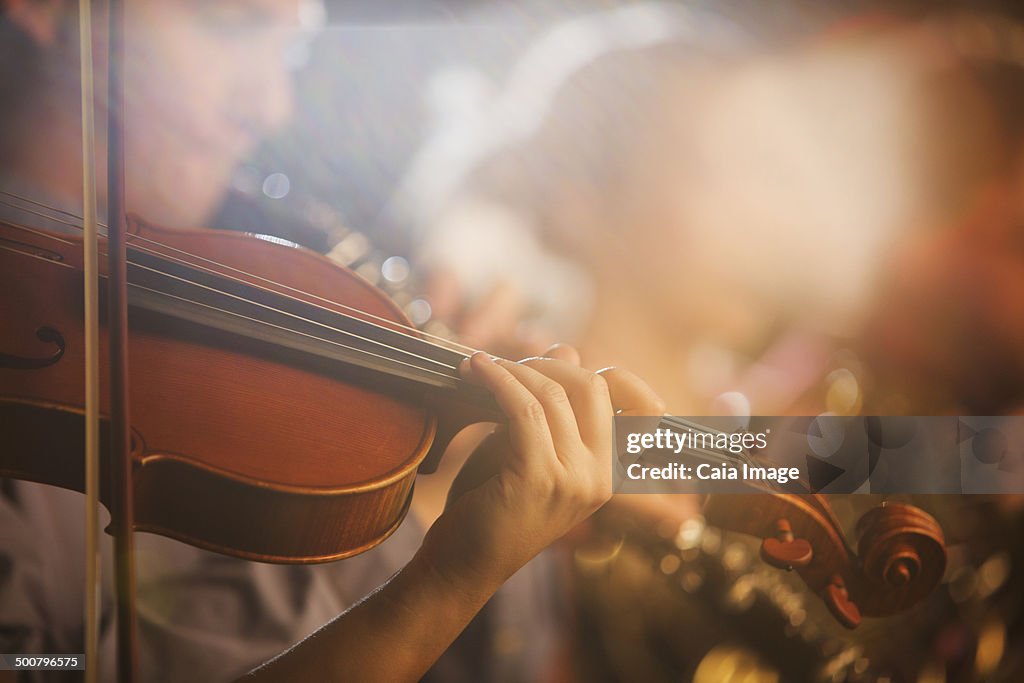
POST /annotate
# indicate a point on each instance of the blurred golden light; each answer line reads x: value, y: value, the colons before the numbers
x: 741, y: 596
x: 692, y: 581
x: 843, y: 396
x: 731, y: 664
x: 933, y: 673
x: 670, y: 564
x: 991, y: 646
x: 712, y: 541
x: 735, y: 558
x: 690, y: 533
x: 993, y: 574
x: 598, y: 552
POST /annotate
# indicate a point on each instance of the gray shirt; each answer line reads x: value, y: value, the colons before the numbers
x: 207, y: 617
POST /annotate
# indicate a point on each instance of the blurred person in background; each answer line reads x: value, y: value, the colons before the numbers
x: 709, y: 209
x: 727, y: 220
x: 671, y: 193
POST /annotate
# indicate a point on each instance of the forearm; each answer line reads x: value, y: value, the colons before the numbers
x: 394, y: 634
x: 555, y: 471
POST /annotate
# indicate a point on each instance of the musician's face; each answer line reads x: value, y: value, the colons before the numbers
x: 205, y: 81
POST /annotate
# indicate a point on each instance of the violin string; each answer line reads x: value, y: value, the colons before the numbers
x: 392, y: 325
x: 451, y: 368
x: 40, y: 233
x: 304, y: 334
x: 458, y: 380
x: 273, y: 309
x: 48, y: 207
x: 416, y: 333
x: 300, y: 318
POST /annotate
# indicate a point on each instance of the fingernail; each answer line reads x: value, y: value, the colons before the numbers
x: 482, y: 356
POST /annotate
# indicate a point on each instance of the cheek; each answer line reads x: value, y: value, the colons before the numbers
x: 182, y: 78
x: 176, y: 190
x: 181, y: 143
x: 176, y: 89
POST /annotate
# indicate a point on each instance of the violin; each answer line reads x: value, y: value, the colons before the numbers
x: 281, y: 406
x: 899, y: 560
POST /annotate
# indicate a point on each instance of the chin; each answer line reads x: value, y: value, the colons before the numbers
x: 182, y: 199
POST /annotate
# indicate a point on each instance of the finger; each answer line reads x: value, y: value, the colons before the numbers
x: 630, y: 395
x: 588, y: 395
x: 527, y: 422
x: 554, y: 399
x: 563, y: 352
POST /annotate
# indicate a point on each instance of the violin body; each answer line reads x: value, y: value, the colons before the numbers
x: 237, y: 447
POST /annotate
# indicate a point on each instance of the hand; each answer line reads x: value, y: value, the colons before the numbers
x: 550, y: 468
x: 554, y: 467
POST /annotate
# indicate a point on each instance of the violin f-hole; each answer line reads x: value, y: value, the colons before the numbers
x: 43, y: 334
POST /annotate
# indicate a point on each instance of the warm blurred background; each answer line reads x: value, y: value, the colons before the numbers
x: 763, y: 208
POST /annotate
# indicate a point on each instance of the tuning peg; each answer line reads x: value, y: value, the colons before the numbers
x: 837, y: 599
x: 784, y: 550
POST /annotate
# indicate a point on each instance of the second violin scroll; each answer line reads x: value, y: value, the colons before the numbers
x: 900, y: 557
